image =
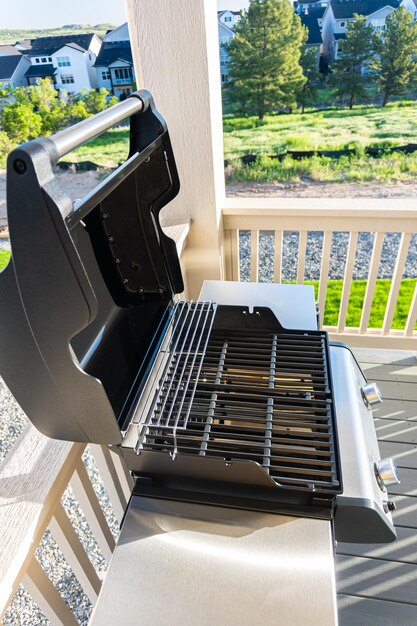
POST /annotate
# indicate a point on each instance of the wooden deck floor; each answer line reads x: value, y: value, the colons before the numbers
x: 377, y: 584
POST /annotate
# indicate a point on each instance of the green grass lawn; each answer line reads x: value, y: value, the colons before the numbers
x: 108, y: 150
x: 4, y: 258
x: 357, y: 295
x: 331, y: 129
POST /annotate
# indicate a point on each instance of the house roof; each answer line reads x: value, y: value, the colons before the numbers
x: 312, y: 25
x: 345, y: 9
x: 310, y: 2
x: 112, y: 51
x: 39, y: 71
x: 9, y: 50
x: 48, y: 45
x: 8, y: 65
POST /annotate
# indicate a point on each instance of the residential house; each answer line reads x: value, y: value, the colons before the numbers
x: 114, y: 64
x: 68, y: 61
x: 312, y: 19
x: 227, y: 20
x: 339, y: 13
x: 300, y: 6
x: 13, y: 68
x: 121, y: 33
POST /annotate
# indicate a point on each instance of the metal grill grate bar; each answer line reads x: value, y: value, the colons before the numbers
x: 257, y: 396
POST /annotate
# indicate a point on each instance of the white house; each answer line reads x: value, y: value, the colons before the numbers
x: 13, y: 68
x: 121, y: 33
x: 68, y: 61
x: 339, y: 13
x: 114, y: 64
x: 227, y: 20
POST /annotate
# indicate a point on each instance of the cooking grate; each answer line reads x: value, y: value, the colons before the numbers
x: 252, y: 395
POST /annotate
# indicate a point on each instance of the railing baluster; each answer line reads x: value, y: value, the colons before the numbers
x: 235, y: 254
x: 254, y: 254
x: 324, y: 272
x: 125, y: 478
x: 371, y: 282
x: 277, y: 256
x: 347, y: 281
x: 396, y: 282
x: 38, y: 585
x: 412, y: 315
x: 108, y: 473
x: 73, y: 551
x: 302, y: 248
x: 228, y: 255
x: 87, y: 499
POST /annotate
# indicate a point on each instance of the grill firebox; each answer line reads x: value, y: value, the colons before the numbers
x: 233, y: 389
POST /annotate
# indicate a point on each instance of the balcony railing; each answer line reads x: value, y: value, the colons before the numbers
x: 329, y: 217
x: 122, y: 81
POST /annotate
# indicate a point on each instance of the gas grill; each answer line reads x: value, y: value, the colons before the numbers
x: 220, y: 407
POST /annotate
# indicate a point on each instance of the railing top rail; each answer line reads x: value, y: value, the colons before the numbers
x: 326, y: 207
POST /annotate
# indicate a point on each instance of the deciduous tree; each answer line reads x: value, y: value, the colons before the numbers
x: 264, y: 69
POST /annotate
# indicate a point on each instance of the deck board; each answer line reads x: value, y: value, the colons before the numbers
x: 397, y: 431
x: 376, y: 578
x: 357, y: 611
x: 377, y: 583
x: 394, y: 410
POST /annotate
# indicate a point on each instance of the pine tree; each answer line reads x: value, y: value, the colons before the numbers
x: 264, y: 68
x: 395, y: 63
x: 308, y: 91
x: 357, y: 52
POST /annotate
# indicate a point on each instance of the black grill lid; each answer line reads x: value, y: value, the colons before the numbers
x: 89, y: 286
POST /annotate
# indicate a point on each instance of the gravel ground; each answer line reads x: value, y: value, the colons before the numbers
x: 23, y: 611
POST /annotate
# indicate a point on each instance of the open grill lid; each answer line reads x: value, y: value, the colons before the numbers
x: 89, y: 286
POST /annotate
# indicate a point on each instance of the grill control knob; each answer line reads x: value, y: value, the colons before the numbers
x: 387, y: 472
x: 371, y: 394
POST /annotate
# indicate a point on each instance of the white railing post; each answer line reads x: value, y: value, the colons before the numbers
x: 176, y: 53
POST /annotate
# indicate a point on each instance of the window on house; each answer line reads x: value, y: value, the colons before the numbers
x: 67, y: 79
x: 342, y: 24
x: 378, y: 24
x: 43, y: 59
x: 37, y: 60
x: 227, y: 18
x: 105, y: 74
x: 63, y: 61
x: 49, y: 60
x: 123, y: 72
x: 89, y: 56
